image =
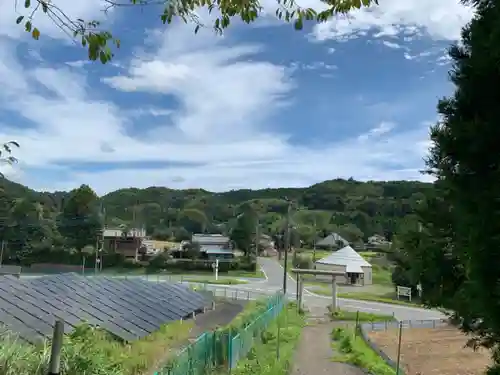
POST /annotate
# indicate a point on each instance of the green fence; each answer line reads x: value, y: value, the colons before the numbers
x: 240, y: 345
x: 221, y: 347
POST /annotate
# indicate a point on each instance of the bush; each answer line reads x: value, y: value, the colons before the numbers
x: 303, y: 261
x: 162, y: 261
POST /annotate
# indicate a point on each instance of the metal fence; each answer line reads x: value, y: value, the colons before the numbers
x: 223, y: 348
x: 394, y: 354
x: 240, y: 345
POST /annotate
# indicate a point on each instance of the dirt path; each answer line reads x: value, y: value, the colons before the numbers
x: 314, y: 353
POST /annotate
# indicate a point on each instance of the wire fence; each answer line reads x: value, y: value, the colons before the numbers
x: 223, y: 348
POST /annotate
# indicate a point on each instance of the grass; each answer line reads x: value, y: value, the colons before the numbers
x: 93, y: 351
x: 354, y: 350
x: 224, y: 281
x: 359, y: 316
x: 263, y: 357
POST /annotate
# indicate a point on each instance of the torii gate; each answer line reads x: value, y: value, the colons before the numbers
x: 300, y: 282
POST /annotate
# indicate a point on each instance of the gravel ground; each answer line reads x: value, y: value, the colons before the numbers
x: 314, y: 353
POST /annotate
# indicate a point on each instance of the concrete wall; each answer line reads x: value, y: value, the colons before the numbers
x: 367, y: 278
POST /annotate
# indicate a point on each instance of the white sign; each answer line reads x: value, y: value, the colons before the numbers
x: 403, y: 291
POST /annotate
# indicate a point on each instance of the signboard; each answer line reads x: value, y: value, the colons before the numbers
x: 403, y: 291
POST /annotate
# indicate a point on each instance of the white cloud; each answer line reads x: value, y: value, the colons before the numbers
x: 222, y: 124
x: 391, y: 44
x: 441, y: 20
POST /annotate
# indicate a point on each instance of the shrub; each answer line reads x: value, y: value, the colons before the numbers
x: 303, y: 261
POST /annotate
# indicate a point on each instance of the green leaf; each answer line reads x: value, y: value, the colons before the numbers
x: 27, y: 26
x: 103, y: 57
x: 19, y: 19
x: 298, y: 24
x: 27, y: 3
x: 35, y: 34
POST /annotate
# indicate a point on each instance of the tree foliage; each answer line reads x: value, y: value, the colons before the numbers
x: 99, y: 42
x: 80, y: 220
x: 456, y: 255
x: 6, y: 156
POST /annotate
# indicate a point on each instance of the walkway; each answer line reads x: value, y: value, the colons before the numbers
x: 314, y: 355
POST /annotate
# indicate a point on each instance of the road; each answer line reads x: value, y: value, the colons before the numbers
x: 274, y: 282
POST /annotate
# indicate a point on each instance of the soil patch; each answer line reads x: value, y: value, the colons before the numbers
x: 432, y: 351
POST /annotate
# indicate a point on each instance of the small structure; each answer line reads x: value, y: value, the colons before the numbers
x: 326, y: 273
x: 214, y: 246
x: 332, y: 240
x: 211, y: 241
x: 346, y: 260
x: 10, y: 270
x: 127, y: 243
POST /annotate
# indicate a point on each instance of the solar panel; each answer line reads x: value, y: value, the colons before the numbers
x: 128, y: 309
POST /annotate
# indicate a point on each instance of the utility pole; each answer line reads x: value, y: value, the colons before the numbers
x: 287, y: 245
x: 314, y: 242
x: 1, y: 252
x: 257, y: 238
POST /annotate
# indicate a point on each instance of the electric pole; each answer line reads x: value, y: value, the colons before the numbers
x: 287, y: 245
x: 314, y: 242
x: 1, y: 252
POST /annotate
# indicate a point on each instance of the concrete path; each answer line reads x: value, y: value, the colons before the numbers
x: 314, y: 355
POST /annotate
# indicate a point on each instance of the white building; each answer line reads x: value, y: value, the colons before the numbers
x: 358, y: 271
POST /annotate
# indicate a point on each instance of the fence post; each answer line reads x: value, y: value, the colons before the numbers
x: 55, y: 351
x: 399, y: 346
x: 229, y: 351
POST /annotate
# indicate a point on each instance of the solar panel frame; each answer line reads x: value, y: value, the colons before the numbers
x: 101, y: 312
x: 90, y: 315
x: 105, y: 306
x: 131, y: 313
x: 128, y: 309
x: 154, y: 297
x: 143, y: 304
x: 192, y: 300
x: 18, y: 328
x: 43, y: 304
x: 166, y: 294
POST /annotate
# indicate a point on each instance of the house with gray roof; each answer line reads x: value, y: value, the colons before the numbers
x: 347, y: 260
x: 332, y: 240
x: 215, y: 246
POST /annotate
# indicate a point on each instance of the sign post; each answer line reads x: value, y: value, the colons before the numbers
x: 403, y: 291
x: 216, y: 269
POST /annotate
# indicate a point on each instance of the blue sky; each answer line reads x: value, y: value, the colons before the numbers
x: 261, y: 106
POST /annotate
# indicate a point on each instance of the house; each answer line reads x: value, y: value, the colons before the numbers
x: 357, y: 270
x: 128, y: 243
x: 332, y: 240
x: 377, y: 239
x: 214, y: 246
x: 212, y: 241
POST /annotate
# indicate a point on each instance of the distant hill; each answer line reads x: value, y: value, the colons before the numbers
x: 361, y: 208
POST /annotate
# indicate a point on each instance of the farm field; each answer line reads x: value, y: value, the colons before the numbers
x: 432, y: 351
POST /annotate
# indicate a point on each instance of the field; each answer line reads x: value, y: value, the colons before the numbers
x: 432, y: 351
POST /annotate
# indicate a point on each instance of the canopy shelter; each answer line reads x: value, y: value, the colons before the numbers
x: 347, y: 260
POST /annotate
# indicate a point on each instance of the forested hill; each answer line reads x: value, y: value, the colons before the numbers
x: 354, y: 209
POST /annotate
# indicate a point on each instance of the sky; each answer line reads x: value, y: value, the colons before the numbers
x: 262, y: 105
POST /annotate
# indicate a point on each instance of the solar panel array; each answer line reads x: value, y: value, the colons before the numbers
x: 129, y: 309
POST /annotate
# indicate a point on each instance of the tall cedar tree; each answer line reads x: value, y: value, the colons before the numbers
x: 466, y: 161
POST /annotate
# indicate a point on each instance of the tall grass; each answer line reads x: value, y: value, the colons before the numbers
x: 91, y: 351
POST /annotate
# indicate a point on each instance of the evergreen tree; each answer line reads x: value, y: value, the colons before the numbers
x: 465, y: 160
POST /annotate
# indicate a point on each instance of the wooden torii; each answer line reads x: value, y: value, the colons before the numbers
x: 300, y: 282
